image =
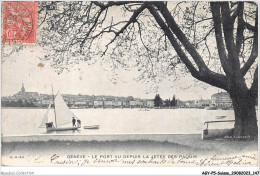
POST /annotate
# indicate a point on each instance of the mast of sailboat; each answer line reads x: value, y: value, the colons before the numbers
x: 54, y: 107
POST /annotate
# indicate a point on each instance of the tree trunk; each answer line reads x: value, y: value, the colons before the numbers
x: 245, y: 116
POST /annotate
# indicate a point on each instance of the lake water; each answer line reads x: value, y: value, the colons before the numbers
x: 119, y: 121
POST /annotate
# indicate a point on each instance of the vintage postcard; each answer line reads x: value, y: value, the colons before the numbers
x: 123, y: 83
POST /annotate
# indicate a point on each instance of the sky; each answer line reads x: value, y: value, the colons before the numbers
x: 23, y: 67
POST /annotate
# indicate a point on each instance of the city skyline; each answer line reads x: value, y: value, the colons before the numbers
x: 100, y: 95
x: 90, y: 79
x: 27, y: 93
x: 24, y: 98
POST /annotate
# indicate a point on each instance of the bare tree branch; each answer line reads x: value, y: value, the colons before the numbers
x: 78, y: 26
x: 228, y: 28
x: 115, y: 3
x: 181, y: 36
x: 214, y: 79
x: 254, y: 52
x: 240, y: 26
x: 173, y: 41
x: 131, y: 20
x: 205, y: 37
x: 93, y: 26
x: 202, y: 20
x: 250, y: 27
x: 215, y: 8
x: 254, y: 87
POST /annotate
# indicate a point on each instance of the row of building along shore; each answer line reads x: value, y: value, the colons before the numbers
x: 34, y: 99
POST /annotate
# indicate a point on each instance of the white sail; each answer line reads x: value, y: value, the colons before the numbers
x: 46, y: 117
x: 63, y: 113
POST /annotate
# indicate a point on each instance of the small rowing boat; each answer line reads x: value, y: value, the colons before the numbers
x: 143, y: 109
x: 92, y: 127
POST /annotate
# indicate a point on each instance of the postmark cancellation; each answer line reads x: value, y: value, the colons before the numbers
x: 19, y: 22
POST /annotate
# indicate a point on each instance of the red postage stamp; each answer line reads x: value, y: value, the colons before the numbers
x: 19, y: 22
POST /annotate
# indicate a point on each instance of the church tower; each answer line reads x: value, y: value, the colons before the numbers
x: 23, y: 91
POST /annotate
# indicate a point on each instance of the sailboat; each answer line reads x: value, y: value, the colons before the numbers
x: 63, y: 115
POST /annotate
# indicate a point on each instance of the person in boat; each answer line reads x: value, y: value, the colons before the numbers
x: 79, y: 123
x: 49, y: 125
x: 73, y: 121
